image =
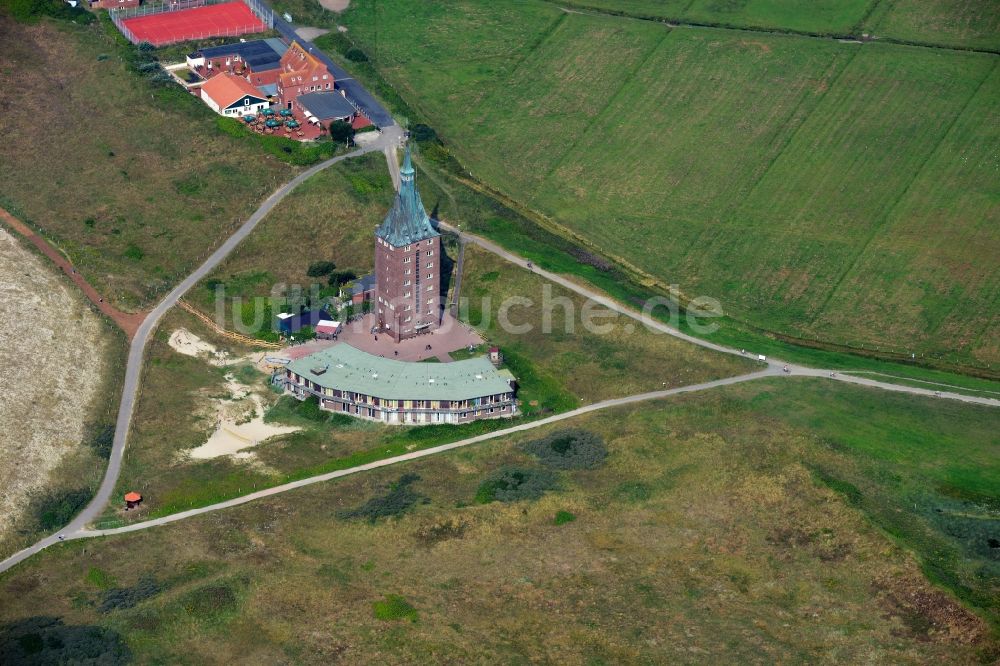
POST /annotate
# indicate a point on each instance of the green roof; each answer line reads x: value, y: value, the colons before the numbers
x: 407, y: 222
x: 346, y: 368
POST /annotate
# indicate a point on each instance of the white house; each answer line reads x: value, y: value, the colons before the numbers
x: 231, y: 95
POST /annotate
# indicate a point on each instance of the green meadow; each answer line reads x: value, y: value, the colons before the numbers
x: 950, y: 23
x: 793, y: 178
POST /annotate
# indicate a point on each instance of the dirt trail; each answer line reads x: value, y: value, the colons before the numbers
x: 126, y: 321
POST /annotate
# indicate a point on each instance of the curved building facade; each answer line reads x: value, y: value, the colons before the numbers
x: 349, y: 381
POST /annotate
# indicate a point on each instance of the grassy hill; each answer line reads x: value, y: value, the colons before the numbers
x: 823, y: 190
x: 750, y: 523
x: 135, y: 183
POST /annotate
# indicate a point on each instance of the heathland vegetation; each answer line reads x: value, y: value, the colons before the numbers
x: 754, y: 520
x: 134, y: 181
x: 61, y: 371
x: 794, y: 178
x: 331, y: 219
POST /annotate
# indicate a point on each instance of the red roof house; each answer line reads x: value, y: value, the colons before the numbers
x: 230, y: 95
x: 301, y: 73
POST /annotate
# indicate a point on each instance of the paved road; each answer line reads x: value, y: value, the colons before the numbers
x: 390, y: 136
x: 793, y: 369
x: 597, y: 406
x: 354, y: 91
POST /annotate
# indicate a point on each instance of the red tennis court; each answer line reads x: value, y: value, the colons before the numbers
x: 228, y: 19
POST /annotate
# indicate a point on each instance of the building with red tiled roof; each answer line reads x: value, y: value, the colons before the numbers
x: 231, y: 95
x: 132, y: 500
x: 301, y: 73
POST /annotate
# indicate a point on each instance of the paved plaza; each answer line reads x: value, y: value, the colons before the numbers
x: 451, y: 336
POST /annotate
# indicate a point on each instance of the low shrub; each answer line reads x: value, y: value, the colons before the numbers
x: 512, y: 484
x: 320, y: 268
x: 46, y: 640
x: 338, y: 278
x: 100, y: 437
x: 568, y: 449
x: 100, y: 578
x: 54, y: 509
x: 121, y: 598
x: 394, y: 607
x: 354, y: 54
x: 285, y: 149
x: 310, y: 409
x: 210, y: 601
x: 429, y: 535
x: 396, y: 501
x: 133, y: 252
x: 423, y: 133
x: 29, y: 11
x: 632, y: 491
x: 563, y: 517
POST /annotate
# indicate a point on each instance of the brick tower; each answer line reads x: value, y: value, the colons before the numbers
x: 407, y: 264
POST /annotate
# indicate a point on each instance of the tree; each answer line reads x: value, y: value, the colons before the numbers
x: 423, y: 133
x: 341, y: 132
x: 320, y: 268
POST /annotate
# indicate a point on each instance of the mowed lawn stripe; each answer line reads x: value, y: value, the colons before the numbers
x: 923, y: 275
x: 855, y: 156
x: 553, y: 97
x: 694, y: 132
x: 961, y: 23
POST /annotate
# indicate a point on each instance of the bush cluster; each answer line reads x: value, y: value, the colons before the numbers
x: 285, y: 149
x: 341, y: 132
x: 569, y: 449
x: 511, y: 484
x: 46, y: 640
x: 310, y: 409
x: 55, y: 508
x: 441, y: 531
x: 31, y: 10
x: 209, y: 601
x: 394, y: 607
x: 338, y: 278
x: 354, y: 54
x: 396, y: 501
x: 423, y: 133
x: 120, y: 598
x: 101, y: 437
x: 320, y: 268
x: 563, y: 517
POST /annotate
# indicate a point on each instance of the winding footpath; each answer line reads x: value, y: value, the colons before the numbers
x: 387, y: 143
x: 390, y: 136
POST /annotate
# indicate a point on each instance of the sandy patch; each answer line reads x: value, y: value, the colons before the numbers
x: 307, y: 33
x: 185, y: 342
x: 52, y: 349
x: 335, y: 5
x: 240, y: 425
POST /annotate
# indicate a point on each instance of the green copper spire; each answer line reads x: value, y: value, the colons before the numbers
x: 407, y: 222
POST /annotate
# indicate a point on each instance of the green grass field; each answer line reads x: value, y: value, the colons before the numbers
x: 764, y: 170
x: 750, y: 523
x: 949, y: 23
x: 956, y: 23
x: 135, y: 184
